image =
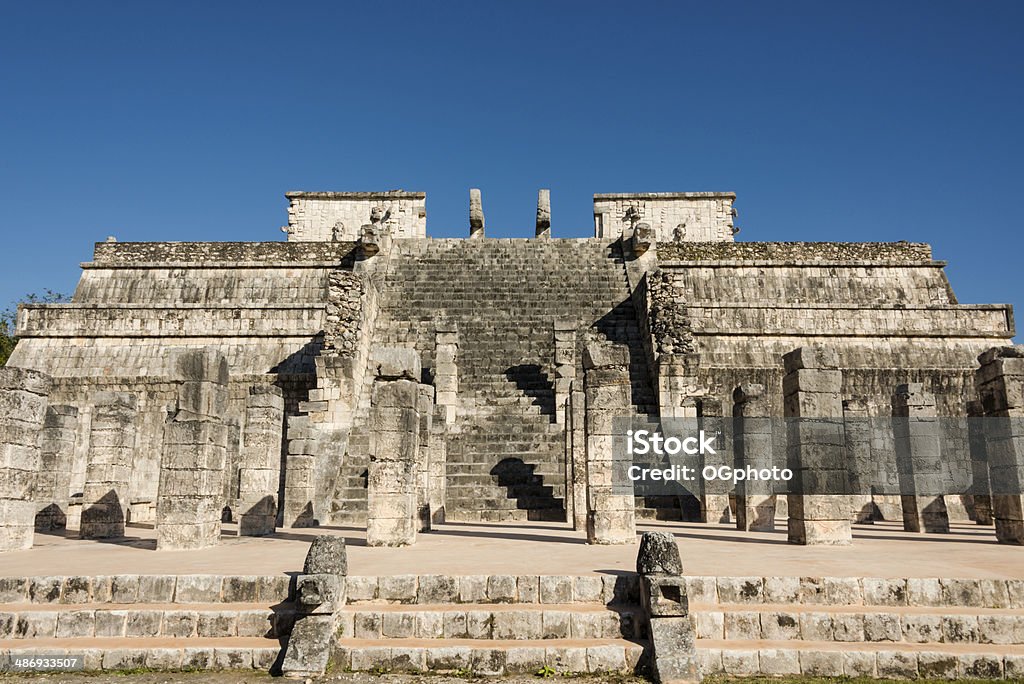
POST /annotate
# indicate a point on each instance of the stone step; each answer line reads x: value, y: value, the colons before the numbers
x: 844, y: 659
x: 133, y: 620
x: 160, y: 653
x: 455, y: 514
x: 823, y: 593
x: 896, y: 624
x: 76, y: 590
x: 490, y: 657
x: 491, y: 621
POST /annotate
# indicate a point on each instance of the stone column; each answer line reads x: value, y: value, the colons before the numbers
x: 544, y: 214
x: 611, y: 517
x: 755, y: 500
x: 299, y: 492
x: 664, y: 600
x: 577, y: 455
x: 714, y: 500
x: 476, y: 214
x: 259, y: 473
x: 23, y: 398
x: 1000, y: 383
x: 981, y: 490
x: 57, y: 452
x: 437, y: 457
x: 919, y: 459
x: 857, y: 429
x: 819, y: 512
x: 190, y: 497
x: 425, y: 411
x: 565, y: 365
x: 391, y: 516
x: 108, y: 470
x: 446, y: 370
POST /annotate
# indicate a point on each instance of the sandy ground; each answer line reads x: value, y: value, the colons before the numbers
x: 879, y: 550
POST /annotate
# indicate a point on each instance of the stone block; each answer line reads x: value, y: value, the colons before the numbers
x: 501, y: 588
x: 740, y: 589
x: 361, y: 588
x: 658, y: 554
x: 980, y: 666
x: 528, y: 588
x: 488, y: 662
x: 566, y: 659
x: 438, y: 589
x: 780, y: 626
x: 555, y: 589
x: 198, y: 589
x: 776, y: 663
x: 397, y: 588
x: 524, y: 660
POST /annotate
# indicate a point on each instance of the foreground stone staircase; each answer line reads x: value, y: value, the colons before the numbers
x: 492, y: 625
x: 506, y: 454
x: 160, y: 622
x: 859, y: 627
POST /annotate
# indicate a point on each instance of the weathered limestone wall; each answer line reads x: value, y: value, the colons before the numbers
x: 23, y: 401
x: 338, y: 216
x: 683, y: 216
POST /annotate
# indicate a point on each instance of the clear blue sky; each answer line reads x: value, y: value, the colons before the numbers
x: 832, y: 121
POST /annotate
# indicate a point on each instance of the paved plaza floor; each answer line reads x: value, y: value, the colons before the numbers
x: 879, y: 550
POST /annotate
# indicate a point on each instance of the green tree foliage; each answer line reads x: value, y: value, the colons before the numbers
x: 8, y: 319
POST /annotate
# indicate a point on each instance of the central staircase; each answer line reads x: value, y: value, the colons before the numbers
x: 505, y: 458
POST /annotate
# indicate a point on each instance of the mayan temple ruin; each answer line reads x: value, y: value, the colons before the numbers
x: 363, y: 380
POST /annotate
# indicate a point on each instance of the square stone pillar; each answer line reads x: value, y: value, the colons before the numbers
x: 857, y: 429
x: 714, y: 500
x: 23, y: 399
x: 108, y: 470
x: 919, y: 459
x: 476, y: 214
x: 190, y: 498
x: 611, y: 517
x: 391, y: 492
x: 819, y: 512
x: 425, y: 411
x: 1000, y: 383
x: 755, y: 499
x: 565, y: 365
x: 297, y: 508
x: 981, y: 489
x: 446, y: 370
x: 437, y: 466
x: 259, y: 473
x: 57, y: 453
x: 576, y: 456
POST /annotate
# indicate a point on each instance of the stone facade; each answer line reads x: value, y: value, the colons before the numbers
x: 671, y: 216
x: 499, y: 330
x: 338, y: 216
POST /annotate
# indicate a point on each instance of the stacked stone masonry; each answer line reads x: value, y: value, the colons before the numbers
x: 499, y: 328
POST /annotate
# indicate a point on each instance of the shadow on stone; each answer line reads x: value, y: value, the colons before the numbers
x: 534, y: 383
